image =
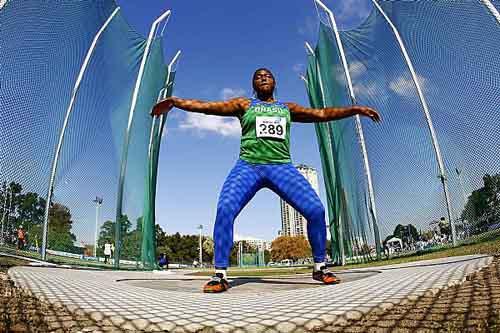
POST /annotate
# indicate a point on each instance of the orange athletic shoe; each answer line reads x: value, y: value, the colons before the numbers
x: 324, y: 275
x: 217, y: 284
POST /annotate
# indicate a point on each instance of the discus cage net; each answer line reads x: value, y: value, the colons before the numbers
x: 443, y: 138
x: 77, y: 88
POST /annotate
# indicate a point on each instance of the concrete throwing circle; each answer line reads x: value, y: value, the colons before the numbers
x: 108, y: 298
x: 244, y: 285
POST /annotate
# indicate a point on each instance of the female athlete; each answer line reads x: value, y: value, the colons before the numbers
x: 264, y: 161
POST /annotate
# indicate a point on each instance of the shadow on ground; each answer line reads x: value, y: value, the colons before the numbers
x: 244, y: 285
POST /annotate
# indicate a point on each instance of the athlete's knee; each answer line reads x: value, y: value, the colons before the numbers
x: 316, y: 213
x: 225, y: 212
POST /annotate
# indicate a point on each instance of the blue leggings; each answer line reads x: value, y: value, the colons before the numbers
x: 244, y: 181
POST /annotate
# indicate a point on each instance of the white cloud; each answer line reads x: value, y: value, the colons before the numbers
x: 371, y: 90
x: 212, y: 124
x: 357, y: 69
x: 349, y: 10
x: 299, y: 68
x: 404, y: 86
x: 228, y: 93
x: 309, y: 29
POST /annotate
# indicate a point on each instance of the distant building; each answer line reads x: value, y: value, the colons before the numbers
x: 292, y: 223
x: 257, y: 243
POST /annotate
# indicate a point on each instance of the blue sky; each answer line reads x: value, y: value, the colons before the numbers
x: 223, y: 42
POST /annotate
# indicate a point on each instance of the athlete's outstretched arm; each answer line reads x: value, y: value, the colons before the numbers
x: 232, y: 107
x: 302, y: 114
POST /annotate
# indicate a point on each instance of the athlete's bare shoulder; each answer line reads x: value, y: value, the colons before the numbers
x: 242, y: 102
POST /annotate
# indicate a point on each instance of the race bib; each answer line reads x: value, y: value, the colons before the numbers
x: 270, y: 127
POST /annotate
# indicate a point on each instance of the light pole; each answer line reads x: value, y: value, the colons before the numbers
x: 6, y: 213
x: 461, y: 182
x: 2, y: 240
x: 240, y: 253
x: 98, y: 203
x: 200, y: 227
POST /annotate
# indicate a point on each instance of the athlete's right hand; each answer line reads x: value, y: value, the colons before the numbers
x: 163, y: 107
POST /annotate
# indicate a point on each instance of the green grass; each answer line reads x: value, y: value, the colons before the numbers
x: 489, y: 244
x: 8, y: 262
x: 60, y: 260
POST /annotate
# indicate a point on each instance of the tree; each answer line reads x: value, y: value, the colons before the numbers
x: 107, y: 234
x: 286, y: 247
x: 407, y: 233
x: 444, y: 227
x: 247, y: 247
x: 183, y: 248
x: 31, y: 208
x: 208, y: 249
x: 267, y: 256
x: 28, y: 209
x: 9, y: 201
x: 427, y: 235
x: 161, y: 242
x: 384, y: 243
x: 482, y: 209
x: 59, y: 236
x: 179, y: 248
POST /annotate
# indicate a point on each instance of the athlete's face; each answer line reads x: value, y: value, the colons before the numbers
x: 263, y: 82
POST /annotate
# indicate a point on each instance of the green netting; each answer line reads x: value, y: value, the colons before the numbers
x: 148, y: 247
x: 45, y: 47
x: 340, y: 155
x: 327, y: 163
x: 456, y: 62
x: 136, y: 159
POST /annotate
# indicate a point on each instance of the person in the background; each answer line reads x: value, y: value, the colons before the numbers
x: 265, y: 163
x: 21, y: 238
x: 163, y: 261
x: 112, y: 260
x: 107, y: 252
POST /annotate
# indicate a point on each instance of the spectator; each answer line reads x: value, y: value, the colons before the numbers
x: 21, y: 238
x: 107, y: 252
x: 112, y: 253
x: 163, y: 261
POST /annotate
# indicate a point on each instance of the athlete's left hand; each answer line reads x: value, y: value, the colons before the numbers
x: 368, y: 112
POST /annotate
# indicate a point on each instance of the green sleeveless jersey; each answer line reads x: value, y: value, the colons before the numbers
x: 265, y: 133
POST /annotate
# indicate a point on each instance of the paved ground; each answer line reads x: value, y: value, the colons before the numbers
x: 121, y: 300
x: 243, y: 286
x: 473, y: 307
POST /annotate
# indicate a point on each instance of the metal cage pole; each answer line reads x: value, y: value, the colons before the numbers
x: 98, y: 202
x: 3, y: 214
x: 310, y: 50
x: 200, y: 245
x: 162, y: 95
x: 435, y: 143
x: 2, y: 238
x: 359, y: 128
x: 171, y: 66
x: 160, y: 121
x: 55, y: 161
x: 123, y: 164
x: 492, y: 9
